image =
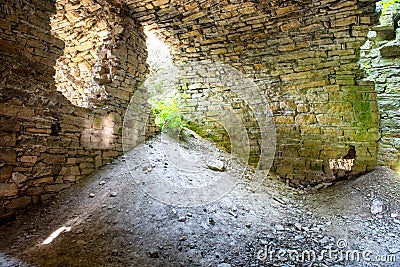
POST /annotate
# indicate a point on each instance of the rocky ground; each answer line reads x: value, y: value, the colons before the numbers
x: 188, y: 204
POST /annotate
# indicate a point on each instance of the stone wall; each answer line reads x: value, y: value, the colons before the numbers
x: 303, y: 55
x: 308, y: 69
x: 51, y: 139
x: 223, y: 105
x: 380, y: 58
x: 70, y: 68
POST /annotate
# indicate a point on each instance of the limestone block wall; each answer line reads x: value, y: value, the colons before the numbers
x: 223, y: 105
x: 304, y: 56
x: 308, y: 69
x: 51, y: 135
x: 93, y: 55
x: 380, y: 58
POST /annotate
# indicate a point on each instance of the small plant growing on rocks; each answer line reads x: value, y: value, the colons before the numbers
x: 168, y: 115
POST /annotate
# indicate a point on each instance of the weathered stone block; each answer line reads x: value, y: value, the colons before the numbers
x: 8, y: 140
x: 70, y: 178
x: 291, y: 25
x: 284, y: 120
x: 70, y: 170
x: 43, y: 180
x: 28, y: 159
x: 9, y: 47
x: 8, y: 156
x: 286, y: 10
x: 110, y: 154
x: 305, y: 119
x: 391, y: 50
x: 345, y: 21
x: 42, y: 169
x: 19, y: 178
x: 45, y: 131
x: 385, y: 32
x: 160, y: 2
x: 5, y: 173
x: 8, y: 190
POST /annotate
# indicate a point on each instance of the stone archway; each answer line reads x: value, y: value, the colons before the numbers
x: 302, y: 54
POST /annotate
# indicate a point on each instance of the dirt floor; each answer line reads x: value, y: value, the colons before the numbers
x: 188, y: 204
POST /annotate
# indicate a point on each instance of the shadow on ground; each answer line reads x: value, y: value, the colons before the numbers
x: 109, y: 220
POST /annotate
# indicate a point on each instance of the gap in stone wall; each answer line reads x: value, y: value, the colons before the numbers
x: 380, y: 59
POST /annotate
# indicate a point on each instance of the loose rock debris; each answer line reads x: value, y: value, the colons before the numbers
x: 121, y: 225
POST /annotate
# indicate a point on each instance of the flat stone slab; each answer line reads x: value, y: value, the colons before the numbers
x: 390, y: 50
x: 216, y: 165
x: 384, y: 32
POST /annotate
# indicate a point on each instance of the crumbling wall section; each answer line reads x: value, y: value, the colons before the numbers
x: 50, y: 140
x: 380, y: 58
x: 101, y: 55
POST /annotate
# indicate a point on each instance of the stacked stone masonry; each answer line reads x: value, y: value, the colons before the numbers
x: 380, y: 58
x: 70, y: 69
x: 59, y: 119
x: 303, y: 55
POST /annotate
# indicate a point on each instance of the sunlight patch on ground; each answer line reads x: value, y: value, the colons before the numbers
x: 55, y: 234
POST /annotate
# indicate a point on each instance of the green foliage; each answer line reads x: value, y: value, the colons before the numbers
x: 120, y: 131
x: 365, y: 65
x: 168, y: 115
x: 160, y: 84
x: 386, y: 4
